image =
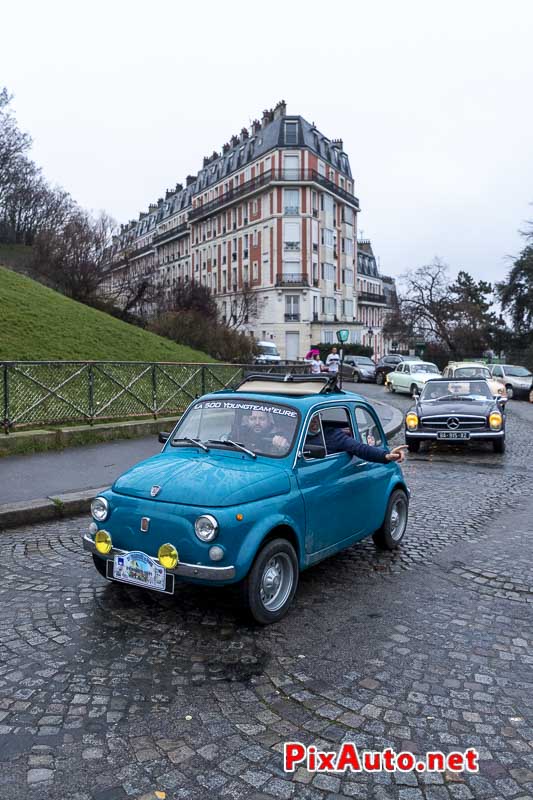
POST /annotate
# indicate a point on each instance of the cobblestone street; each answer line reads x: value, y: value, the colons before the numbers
x: 110, y: 692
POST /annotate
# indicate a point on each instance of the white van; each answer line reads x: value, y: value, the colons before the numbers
x: 267, y: 353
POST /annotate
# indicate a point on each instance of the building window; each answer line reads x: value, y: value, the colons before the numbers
x: 328, y: 271
x: 347, y: 308
x: 327, y: 237
x: 290, y: 167
x: 292, y: 308
x: 291, y: 133
x: 348, y: 277
x: 291, y: 201
x: 255, y: 270
x: 291, y: 236
x: 326, y: 337
x: 329, y: 305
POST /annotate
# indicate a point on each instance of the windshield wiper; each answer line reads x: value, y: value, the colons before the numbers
x: 237, y: 445
x: 455, y: 397
x: 195, y: 442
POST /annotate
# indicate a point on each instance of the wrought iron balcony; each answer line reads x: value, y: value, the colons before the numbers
x: 291, y: 245
x: 171, y: 234
x: 272, y: 176
x: 291, y: 210
x: 370, y: 297
x: 292, y: 317
x: 292, y: 279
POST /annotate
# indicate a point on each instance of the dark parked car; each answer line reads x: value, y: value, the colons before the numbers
x: 359, y: 368
x: 387, y: 363
x: 460, y: 410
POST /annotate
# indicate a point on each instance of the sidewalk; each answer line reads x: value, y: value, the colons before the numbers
x: 45, y: 485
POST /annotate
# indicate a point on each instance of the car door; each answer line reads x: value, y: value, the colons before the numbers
x: 371, y: 504
x: 396, y: 377
x: 329, y: 486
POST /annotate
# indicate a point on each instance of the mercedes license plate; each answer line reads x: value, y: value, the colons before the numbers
x: 141, y: 570
x: 453, y: 435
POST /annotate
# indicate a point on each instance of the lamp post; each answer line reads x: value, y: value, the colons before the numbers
x: 370, y: 333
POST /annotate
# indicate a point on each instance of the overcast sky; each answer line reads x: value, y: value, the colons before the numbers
x: 432, y: 100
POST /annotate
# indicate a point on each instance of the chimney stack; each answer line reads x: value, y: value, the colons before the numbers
x: 256, y: 127
x: 179, y: 187
x: 190, y: 179
x: 225, y: 148
x: 244, y: 134
x: 338, y: 143
x: 280, y: 109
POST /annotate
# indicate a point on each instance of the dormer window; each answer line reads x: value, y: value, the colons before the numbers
x: 291, y: 133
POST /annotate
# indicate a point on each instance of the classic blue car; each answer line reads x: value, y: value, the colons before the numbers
x: 246, y: 491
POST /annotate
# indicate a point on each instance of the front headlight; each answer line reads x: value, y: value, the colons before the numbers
x: 206, y: 528
x: 411, y: 421
x: 495, y: 421
x: 100, y: 509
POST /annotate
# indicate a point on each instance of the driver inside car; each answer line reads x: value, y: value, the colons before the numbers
x: 337, y: 440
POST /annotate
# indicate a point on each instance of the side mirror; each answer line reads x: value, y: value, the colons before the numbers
x: 502, y: 400
x: 163, y: 436
x: 314, y: 451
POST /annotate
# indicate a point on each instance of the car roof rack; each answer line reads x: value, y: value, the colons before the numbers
x: 289, y: 384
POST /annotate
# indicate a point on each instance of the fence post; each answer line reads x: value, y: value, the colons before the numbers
x: 203, y: 380
x: 154, y: 390
x: 6, y: 399
x: 91, y: 395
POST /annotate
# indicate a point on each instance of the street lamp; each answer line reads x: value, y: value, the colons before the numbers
x: 370, y: 333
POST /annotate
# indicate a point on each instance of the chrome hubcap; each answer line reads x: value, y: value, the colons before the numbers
x: 277, y: 582
x: 398, y: 519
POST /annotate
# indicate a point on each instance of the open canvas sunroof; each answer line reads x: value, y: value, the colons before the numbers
x: 289, y: 384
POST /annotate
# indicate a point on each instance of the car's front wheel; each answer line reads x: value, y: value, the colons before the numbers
x: 510, y: 391
x: 413, y: 445
x: 413, y: 390
x: 390, y: 387
x: 391, y: 533
x: 355, y: 376
x: 269, y: 587
x: 498, y: 445
x: 101, y: 566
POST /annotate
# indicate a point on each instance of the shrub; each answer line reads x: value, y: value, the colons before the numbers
x: 192, y: 328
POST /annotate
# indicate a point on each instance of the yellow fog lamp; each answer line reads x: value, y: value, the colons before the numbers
x: 102, y: 542
x: 495, y: 421
x: 168, y: 556
x: 411, y: 421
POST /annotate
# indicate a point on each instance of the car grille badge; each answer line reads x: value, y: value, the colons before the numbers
x: 154, y: 491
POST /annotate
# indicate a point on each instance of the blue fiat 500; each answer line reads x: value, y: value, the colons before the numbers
x: 246, y: 491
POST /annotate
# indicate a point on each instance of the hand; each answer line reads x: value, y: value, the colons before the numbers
x: 397, y: 453
x: 280, y: 442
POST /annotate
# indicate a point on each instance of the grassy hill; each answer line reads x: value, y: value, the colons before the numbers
x: 37, y: 323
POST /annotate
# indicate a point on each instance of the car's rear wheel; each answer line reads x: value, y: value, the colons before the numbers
x: 498, y: 445
x: 269, y: 587
x: 100, y: 564
x: 413, y: 389
x: 510, y: 391
x: 391, y: 533
x: 413, y: 445
x: 355, y: 376
x: 380, y: 379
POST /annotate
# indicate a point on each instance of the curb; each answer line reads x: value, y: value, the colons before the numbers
x: 43, y: 509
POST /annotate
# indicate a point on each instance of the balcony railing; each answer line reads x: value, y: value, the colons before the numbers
x: 171, y: 234
x: 292, y: 279
x: 291, y: 210
x: 282, y: 176
x: 370, y: 297
x: 291, y: 245
x: 295, y: 317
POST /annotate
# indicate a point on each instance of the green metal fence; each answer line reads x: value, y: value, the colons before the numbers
x: 36, y: 393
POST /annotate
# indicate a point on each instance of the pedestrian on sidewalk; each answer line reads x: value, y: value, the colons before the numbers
x: 332, y: 362
x: 317, y: 366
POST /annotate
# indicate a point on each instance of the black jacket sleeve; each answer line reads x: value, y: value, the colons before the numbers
x: 337, y: 442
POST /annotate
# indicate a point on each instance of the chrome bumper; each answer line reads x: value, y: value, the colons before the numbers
x: 181, y: 570
x: 473, y: 435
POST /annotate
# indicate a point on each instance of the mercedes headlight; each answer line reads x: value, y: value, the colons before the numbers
x: 411, y: 421
x: 495, y: 421
x: 206, y: 528
x: 100, y: 509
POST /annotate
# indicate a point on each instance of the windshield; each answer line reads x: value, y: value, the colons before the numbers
x: 268, y: 349
x: 424, y: 368
x: 267, y: 429
x: 517, y: 372
x: 471, y: 372
x: 363, y: 360
x: 476, y: 390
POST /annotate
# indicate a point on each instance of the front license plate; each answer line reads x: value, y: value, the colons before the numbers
x: 141, y: 570
x: 453, y: 435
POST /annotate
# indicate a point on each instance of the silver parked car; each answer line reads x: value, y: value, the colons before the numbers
x: 518, y: 380
x: 359, y: 368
